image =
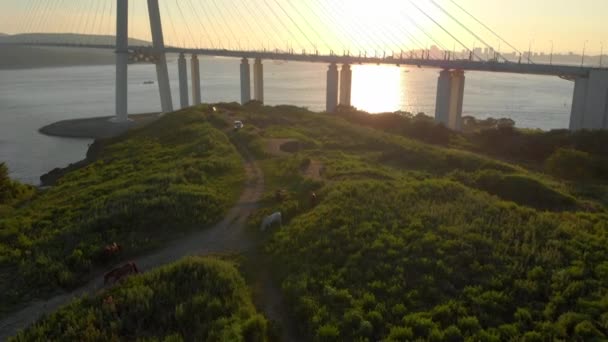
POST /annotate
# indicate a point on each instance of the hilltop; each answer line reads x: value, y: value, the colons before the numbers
x: 413, y: 232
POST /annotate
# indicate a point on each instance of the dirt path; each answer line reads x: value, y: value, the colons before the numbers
x: 227, y: 236
x: 314, y: 170
x: 273, y: 147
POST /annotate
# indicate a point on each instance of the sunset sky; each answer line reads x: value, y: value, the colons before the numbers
x: 323, y: 24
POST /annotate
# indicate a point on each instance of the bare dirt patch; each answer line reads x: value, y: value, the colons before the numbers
x: 314, y: 170
x: 281, y: 147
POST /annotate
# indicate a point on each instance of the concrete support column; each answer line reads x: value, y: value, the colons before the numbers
x: 258, y: 80
x: 590, y: 102
x: 158, y: 43
x: 332, y: 88
x: 183, y: 81
x: 196, y: 80
x: 579, y: 100
x: 450, y: 96
x: 346, y: 76
x: 122, y: 59
x: 245, y: 82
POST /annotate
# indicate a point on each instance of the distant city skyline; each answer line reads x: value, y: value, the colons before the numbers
x: 337, y: 24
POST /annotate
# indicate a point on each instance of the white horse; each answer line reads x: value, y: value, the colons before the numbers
x: 272, y: 219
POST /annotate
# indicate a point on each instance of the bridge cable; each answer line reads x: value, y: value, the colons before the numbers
x: 172, y: 24
x: 212, y: 26
x: 294, y: 23
x: 421, y: 29
x: 371, y: 42
x: 253, y: 26
x: 185, y: 22
x: 285, y: 26
x: 309, y: 25
x: 488, y: 28
x: 204, y: 29
x: 293, y: 36
x: 29, y: 16
x: 42, y: 14
x: 362, y: 30
x: 5, y: 15
x: 406, y: 32
x: 466, y: 28
x: 232, y: 17
x: 337, y: 28
x: 278, y: 40
x: 444, y: 29
x: 233, y: 35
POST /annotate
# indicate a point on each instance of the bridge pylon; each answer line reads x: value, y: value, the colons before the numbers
x: 122, y: 60
x: 158, y: 43
x: 450, y: 96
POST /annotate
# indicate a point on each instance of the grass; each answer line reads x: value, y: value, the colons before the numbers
x: 195, y: 299
x: 413, y: 237
x: 176, y: 175
x: 418, y: 241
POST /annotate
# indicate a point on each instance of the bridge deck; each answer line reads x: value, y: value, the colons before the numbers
x: 564, y: 71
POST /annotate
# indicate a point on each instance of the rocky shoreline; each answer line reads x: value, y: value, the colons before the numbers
x: 98, y: 128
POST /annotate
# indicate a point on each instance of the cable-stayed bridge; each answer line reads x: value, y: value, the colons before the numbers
x: 229, y: 30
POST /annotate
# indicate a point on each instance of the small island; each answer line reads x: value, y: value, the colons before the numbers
x: 393, y: 228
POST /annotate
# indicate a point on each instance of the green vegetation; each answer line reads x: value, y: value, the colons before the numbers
x: 11, y: 192
x: 196, y: 299
x: 416, y: 232
x: 142, y: 189
x: 414, y: 241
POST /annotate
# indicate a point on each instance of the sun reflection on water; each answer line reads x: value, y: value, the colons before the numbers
x: 377, y: 88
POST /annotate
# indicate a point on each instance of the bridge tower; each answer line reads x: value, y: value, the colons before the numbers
x: 122, y: 60
x: 158, y: 43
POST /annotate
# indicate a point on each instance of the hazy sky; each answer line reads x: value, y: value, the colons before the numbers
x: 340, y: 24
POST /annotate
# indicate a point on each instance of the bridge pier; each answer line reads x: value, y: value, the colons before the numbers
x: 331, y: 101
x: 196, y: 80
x: 590, y: 102
x: 183, y: 81
x: 258, y: 80
x: 122, y: 60
x: 158, y: 43
x: 245, y: 82
x: 346, y: 76
x: 450, y: 96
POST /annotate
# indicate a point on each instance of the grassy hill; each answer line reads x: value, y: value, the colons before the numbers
x: 142, y: 190
x: 196, y: 299
x: 412, y: 240
x: 417, y: 233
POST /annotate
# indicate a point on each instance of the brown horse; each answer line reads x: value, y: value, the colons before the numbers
x: 281, y: 195
x: 120, y: 273
x: 111, y: 250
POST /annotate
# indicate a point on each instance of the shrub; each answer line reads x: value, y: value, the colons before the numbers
x: 572, y: 164
x: 195, y: 299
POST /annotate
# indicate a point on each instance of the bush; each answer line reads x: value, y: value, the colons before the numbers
x: 573, y: 165
x: 195, y: 299
x: 463, y: 264
x: 519, y: 188
x: 170, y: 177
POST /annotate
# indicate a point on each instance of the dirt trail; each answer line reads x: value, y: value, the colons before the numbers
x: 227, y: 236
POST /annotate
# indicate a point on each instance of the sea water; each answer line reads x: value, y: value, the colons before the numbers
x: 30, y: 99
